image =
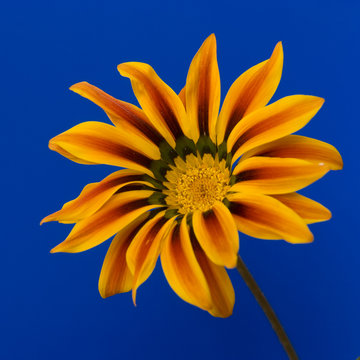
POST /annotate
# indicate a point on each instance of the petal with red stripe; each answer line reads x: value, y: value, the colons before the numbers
x: 264, y: 217
x: 160, y: 103
x: 251, y: 91
x: 117, y: 213
x: 275, y: 175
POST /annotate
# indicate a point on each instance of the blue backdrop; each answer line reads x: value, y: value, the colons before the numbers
x: 50, y: 306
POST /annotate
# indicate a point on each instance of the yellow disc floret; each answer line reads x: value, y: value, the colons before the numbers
x: 196, y: 183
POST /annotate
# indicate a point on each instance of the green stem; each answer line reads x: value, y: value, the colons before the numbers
x: 266, y: 307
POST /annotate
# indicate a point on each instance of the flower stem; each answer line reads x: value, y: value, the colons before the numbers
x: 266, y: 307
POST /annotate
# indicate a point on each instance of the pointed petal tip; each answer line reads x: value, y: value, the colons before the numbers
x: 309, y: 238
x: 212, y: 37
x: 211, y: 40
x: 279, y: 45
x: 54, y: 250
x: 60, y: 248
x: 133, y: 295
x: 316, y: 101
x: 77, y: 86
x: 278, y: 51
x: 47, y: 219
x: 321, y: 100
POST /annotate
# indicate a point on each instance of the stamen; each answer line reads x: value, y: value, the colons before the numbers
x: 196, y: 183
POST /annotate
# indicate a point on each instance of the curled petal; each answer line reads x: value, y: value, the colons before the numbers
x: 309, y: 210
x: 275, y: 175
x: 182, y: 269
x: 272, y: 122
x: 61, y: 151
x: 160, y: 103
x: 93, y: 196
x: 105, y: 144
x: 115, y: 276
x: 264, y: 217
x: 182, y: 96
x: 145, y: 248
x: 251, y: 91
x: 203, y: 90
x: 117, y: 213
x: 300, y: 147
x: 221, y: 289
x: 217, y: 234
x: 122, y: 114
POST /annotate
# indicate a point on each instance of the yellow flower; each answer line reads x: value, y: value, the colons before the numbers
x: 194, y: 177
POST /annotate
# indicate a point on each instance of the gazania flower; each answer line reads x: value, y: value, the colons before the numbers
x: 194, y: 176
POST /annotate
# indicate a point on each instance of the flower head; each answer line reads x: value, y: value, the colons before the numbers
x: 194, y: 177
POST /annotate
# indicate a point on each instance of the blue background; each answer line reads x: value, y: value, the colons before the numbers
x: 49, y: 305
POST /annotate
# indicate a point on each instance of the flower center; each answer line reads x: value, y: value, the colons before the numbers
x: 196, y: 183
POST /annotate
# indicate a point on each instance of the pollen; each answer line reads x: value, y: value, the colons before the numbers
x: 196, y: 183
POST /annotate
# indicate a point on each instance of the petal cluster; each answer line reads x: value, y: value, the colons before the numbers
x: 242, y: 163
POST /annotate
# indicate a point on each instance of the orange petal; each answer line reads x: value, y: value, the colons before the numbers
x: 182, y: 96
x: 217, y: 234
x: 272, y: 122
x: 69, y: 156
x: 115, y: 276
x: 264, y: 217
x: 160, y: 103
x: 221, y: 289
x: 93, y: 196
x: 182, y: 270
x: 300, y: 147
x: 251, y: 91
x: 203, y: 90
x: 145, y: 249
x: 275, y: 175
x: 310, y: 210
x: 122, y: 114
x: 105, y: 144
x: 117, y: 213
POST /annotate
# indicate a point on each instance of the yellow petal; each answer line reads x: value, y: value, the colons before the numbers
x: 93, y: 196
x: 182, y: 96
x: 182, y: 270
x: 251, y: 91
x: 105, y: 144
x: 122, y: 114
x: 69, y: 156
x: 300, y: 147
x: 117, y: 213
x: 203, y: 90
x: 115, y: 276
x: 272, y: 122
x: 145, y: 248
x: 275, y: 175
x: 217, y: 234
x: 264, y: 217
x: 221, y: 289
x: 310, y: 210
x: 160, y: 103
